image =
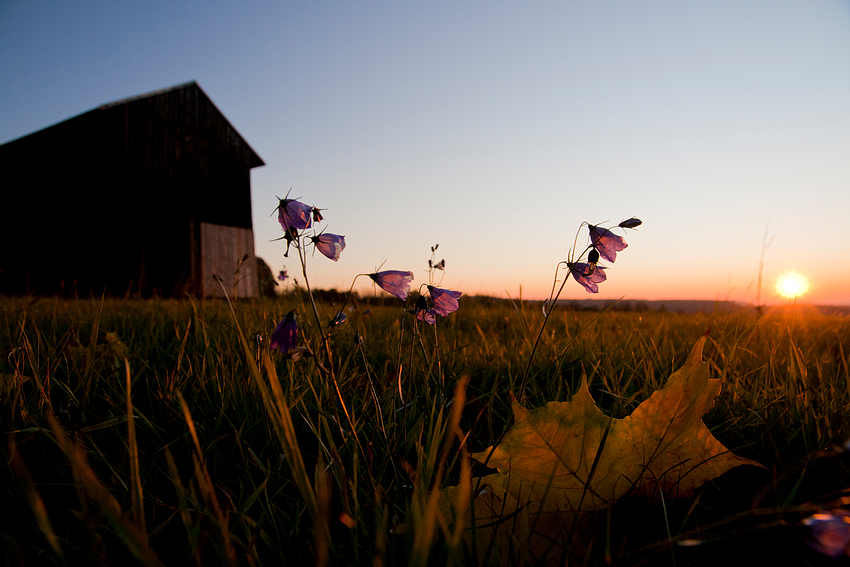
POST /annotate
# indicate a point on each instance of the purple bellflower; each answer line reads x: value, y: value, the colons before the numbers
x: 394, y: 282
x: 331, y: 245
x: 445, y: 300
x: 830, y: 533
x: 294, y: 214
x: 606, y: 242
x: 282, y: 276
x: 588, y: 275
x: 285, y: 335
x: 424, y: 313
x: 427, y: 315
x: 317, y: 215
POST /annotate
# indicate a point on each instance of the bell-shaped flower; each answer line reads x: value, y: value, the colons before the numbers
x: 444, y: 300
x: 285, y: 335
x: 830, y: 533
x: 606, y: 242
x: 427, y: 315
x: 282, y: 276
x: 394, y: 282
x: 331, y: 245
x: 631, y: 223
x: 338, y: 319
x: 317, y: 215
x: 294, y: 214
x: 423, y: 312
x: 588, y: 275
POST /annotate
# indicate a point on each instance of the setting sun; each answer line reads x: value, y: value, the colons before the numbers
x: 792, y: 284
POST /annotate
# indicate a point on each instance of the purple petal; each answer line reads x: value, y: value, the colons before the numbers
x: 587, y: 276
x: 331, y: 245
x: 394, y: 282
x: 294, y: 214
x: 285, y: 335
x: 830, y: 533
x: 606, y: 242
x: 282, y: 275
x: 427, y: 315
x: 444, y: 300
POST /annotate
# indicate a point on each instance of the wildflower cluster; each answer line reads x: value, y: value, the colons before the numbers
x: 439, y: 301
x: 442, y: 302
x: 295, y: 216
x: 295, y: 219
x: 585, y: 270
x: 605, y: 244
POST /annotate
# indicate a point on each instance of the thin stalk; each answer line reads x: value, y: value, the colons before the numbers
x: 325, y: 339
x: 553, y: 300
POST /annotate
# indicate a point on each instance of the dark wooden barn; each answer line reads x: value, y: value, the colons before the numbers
x: 147, y: 196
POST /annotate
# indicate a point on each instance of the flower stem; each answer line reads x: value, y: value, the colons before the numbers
x: 551, y: 302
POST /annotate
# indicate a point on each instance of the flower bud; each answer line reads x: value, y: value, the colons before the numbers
x: 631, y: 223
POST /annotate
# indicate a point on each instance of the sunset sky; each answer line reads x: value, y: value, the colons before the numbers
x: 494, y: 129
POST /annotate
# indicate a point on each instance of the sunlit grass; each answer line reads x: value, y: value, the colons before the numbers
x: 206, y: 448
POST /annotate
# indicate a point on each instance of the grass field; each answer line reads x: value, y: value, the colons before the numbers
x: 237, y: 455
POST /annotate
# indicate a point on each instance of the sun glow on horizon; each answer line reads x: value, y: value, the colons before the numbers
x: 792, y: 284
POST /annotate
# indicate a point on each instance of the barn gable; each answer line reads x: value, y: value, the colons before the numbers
x: 148, y: 195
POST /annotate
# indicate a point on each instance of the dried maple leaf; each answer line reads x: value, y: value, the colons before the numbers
x: 568, y: 457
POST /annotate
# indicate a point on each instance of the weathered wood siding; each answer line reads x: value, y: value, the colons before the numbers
x: 112, y: 200
x: 222, y: 249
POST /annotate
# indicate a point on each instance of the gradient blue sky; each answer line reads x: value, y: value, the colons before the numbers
x: 496, y: 128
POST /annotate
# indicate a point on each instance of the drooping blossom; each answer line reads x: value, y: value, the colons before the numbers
x: 294, y: 214
x: 606, y: 242
x: 282, y: 276
x: 285, y: 335
x: 331, y: 245
x: 631, y: 223
x: 317, y: 215
x: 338, y: 319
x: 589, y: 278
x: 423, y: 312
x: 427, y: 315
x: 830, y: 533
x: 444, y: 300
x: 394, y: 282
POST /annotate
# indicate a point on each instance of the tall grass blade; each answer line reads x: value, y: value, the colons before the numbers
x: 138, y: 507
x: 207, y: 486
x: 19, y: 469
x: 127, y: 531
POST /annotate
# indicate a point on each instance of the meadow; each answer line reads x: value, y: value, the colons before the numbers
x: 166, y: 432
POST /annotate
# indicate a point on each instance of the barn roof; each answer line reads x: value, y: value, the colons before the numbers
x: 255, y: 159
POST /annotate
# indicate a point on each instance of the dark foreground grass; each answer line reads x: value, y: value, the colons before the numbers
x: 234, y: 455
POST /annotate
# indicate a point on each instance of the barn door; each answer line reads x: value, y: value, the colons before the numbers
x: 222, y: 251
